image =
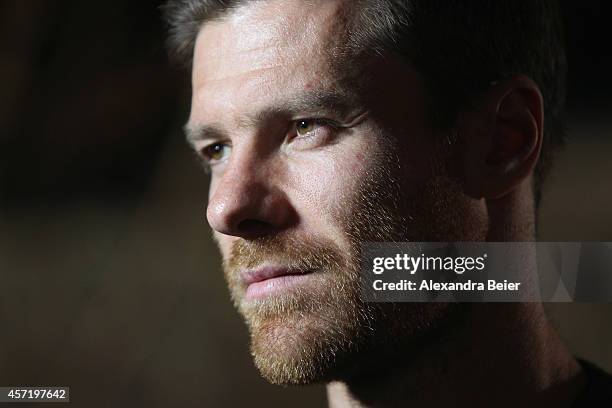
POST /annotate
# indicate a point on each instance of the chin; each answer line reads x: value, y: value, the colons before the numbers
x: 308, y: 345
x: 329, y: 342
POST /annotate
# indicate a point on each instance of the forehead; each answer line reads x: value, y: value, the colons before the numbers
x: 287, y: 25
x: 266, y: 47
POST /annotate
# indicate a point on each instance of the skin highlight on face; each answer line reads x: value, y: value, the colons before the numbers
x: 300, y: 186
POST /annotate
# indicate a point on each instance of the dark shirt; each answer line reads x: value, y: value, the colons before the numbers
x: 598, y: 389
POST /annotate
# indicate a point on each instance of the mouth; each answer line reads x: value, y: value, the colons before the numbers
x: 271, y: 280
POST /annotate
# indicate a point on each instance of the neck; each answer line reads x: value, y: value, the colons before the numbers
x: 503, y: 355
x: 517, y: 361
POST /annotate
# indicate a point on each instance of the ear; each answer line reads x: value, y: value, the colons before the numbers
x: 500, y: 138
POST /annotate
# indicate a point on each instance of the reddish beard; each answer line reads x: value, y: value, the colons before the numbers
x: 299, y: 337
x: 323, y: 330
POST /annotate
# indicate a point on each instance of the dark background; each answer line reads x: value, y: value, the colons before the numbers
x: 109, y: 282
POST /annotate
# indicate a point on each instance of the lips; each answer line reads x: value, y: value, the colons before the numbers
x: 268, y: 280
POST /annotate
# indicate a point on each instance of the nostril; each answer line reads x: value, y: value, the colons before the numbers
x: 254, y: 228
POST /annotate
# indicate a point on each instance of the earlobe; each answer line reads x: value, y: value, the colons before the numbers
x: 503, y: 137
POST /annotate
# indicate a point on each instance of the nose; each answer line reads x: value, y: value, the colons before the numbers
x: 248, y: 203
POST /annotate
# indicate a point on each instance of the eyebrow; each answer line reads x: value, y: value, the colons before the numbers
x: 333, y: 101
x: 200, y: 132
x: 316, y: 102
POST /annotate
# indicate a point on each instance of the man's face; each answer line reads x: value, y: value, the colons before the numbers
x: 313, y: 149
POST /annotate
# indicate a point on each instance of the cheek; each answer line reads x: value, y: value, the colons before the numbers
x: 324, y: 186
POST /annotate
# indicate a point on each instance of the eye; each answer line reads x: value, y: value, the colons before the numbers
x: 303, y: 127
x: 216, y: 152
